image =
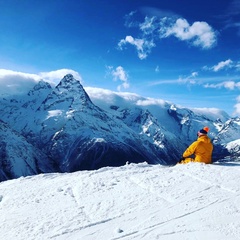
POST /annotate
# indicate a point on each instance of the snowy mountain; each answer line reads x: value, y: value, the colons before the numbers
x: 76, y: 129
x: 135, y: 201
x: 18, y: 157
x: 177, y: 123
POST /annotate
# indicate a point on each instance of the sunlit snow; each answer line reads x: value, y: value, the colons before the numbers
x: 54, y: 113
x: 135, y: 201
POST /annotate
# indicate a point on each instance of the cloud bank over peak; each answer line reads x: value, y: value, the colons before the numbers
x: 54, y: 76
x: 15, y: 83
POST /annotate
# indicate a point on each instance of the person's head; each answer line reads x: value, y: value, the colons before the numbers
x: 203, y: 131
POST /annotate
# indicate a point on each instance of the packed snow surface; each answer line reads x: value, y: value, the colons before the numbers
x: 135, y: 201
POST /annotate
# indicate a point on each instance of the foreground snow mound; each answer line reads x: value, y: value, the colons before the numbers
x: 136, y: 201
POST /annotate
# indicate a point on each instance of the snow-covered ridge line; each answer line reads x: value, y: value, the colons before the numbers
x: 71, y: 131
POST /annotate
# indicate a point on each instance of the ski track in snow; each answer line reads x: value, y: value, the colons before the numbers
x: 149, y: 228
x: 136, y: 201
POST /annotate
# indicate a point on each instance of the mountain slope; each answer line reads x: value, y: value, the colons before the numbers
x: 20, y: 158
x: 82, y: 136
x: 77, y: 133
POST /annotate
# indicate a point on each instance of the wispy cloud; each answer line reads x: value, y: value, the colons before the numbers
x: 157, y: 69
x: 207, y: 82
x: 119, y: 74
x: 164, y: 81
x: 237, y: 107
x: 13, y: 82
x: 159, y: 13
x: 223, y: 65
x: 237, y: 66
x: 188, y: 80
x: 149, y: 26
x: 128, y: 20
x: 230, y: 85
x: 199, y: 34
x: 232, y: 15
x: 143, y: 46
x: 234, y: 8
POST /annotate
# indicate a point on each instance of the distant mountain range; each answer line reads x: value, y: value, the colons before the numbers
x: 65, y: 129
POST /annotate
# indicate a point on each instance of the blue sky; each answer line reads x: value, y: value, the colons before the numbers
x: 186, y: 52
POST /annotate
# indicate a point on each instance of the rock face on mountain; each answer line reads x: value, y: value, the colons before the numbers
x: 62, y: 129
x: 18, y: 157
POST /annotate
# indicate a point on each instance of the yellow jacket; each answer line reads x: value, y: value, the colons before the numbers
x: 201, y: 149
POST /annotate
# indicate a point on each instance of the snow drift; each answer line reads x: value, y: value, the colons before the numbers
x: 136, y: 201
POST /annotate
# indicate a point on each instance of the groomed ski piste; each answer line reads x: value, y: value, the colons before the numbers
x: 135, y: 201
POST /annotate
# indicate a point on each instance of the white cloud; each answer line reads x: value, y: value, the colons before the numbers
x: 119, y: 74
x: 189, y: 79
x: 194, y: 74
x: 128, y: 20
x: 149, y: 25
x: 238, y: 66
x: 157, y: 69
x: 237, y: 107
x: 13, y: 82
x: 164, y: 81
x: 231, y: 15
x: 223, y: 64
x: 150, y: 101
x: 55, y: 76
x: 143, y: 46
x: 12, y: 74
x: 200, y: 34
x: 230, y: 85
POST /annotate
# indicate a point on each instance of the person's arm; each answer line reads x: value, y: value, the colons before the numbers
x: 190, y: 150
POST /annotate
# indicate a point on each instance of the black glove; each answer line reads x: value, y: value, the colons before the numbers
x: 182, y: 159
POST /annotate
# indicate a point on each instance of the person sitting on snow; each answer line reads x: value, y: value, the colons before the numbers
x: 200, y: 150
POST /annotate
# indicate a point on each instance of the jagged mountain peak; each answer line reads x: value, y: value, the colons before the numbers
x: 68, y: 94
x: 70, y: 88
x: 40, y: 85
x: 68, y: 82
x: 37, y: 95
x: 41, y: 89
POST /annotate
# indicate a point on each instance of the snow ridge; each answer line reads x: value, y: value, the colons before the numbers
x: 74, y: 132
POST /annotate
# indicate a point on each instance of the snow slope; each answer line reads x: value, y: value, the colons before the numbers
x: 135, y: 201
